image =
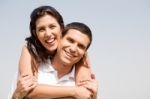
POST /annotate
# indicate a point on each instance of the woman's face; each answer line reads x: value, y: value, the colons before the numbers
x: 48, y: 32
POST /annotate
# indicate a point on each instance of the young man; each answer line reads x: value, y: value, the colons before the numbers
x: 76, y: 38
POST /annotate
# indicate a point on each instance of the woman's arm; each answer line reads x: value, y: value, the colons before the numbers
x: 91, y: 85
x: 24, y: 85
x: 47, y: 91
x: 84, y: 76
x: 83, y: 71
x: 26, y: 80
x: 25, y: 68
x: 63, y: 92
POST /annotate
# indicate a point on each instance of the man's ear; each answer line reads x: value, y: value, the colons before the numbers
x: 85, y: 54
x: 86, y: 59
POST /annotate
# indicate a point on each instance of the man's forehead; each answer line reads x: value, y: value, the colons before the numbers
x: 78, y: 36
x: 74, y: 32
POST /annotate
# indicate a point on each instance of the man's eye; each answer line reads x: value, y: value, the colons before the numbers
x: 70, y: 40
x: 81, y: 46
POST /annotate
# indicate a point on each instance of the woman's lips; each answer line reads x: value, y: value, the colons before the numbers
x: 50, y: 41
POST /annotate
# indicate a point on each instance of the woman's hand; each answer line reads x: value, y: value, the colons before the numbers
x: 25, y: 84
x: 82, y: 93
x: 91, y: 85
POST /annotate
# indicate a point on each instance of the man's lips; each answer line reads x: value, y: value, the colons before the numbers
x: 69, y: 55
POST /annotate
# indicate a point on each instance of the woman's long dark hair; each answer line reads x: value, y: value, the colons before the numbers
x: 36, y: 49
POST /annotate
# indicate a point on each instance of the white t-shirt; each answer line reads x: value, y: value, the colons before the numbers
x: 48, y: 75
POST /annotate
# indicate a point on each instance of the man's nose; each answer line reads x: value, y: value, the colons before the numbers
x: 73, y: 48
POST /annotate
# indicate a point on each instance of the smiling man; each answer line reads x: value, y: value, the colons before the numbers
x: 75, y: 41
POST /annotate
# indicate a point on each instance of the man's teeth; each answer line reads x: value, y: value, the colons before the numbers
x: 68, y: 54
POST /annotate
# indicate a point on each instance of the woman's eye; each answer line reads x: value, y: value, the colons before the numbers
x: 52, y: 26
x: 40, y: 29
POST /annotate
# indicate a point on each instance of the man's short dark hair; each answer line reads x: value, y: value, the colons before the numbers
x: 80, y: 27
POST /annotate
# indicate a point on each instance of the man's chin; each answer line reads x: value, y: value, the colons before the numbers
x: 67, y: 62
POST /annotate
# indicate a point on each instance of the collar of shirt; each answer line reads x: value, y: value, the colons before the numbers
x: 69, y: 76
x: 47, y: 67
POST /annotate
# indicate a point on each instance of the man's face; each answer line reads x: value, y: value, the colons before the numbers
x: 72, y: 47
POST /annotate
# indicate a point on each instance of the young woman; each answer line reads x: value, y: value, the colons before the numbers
x: 46, y: 26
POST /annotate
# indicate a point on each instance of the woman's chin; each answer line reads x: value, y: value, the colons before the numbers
x: 52, y: 49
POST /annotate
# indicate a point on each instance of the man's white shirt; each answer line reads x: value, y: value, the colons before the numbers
x: 48, y: 75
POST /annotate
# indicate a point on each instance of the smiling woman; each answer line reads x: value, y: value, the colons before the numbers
x: 48, y: 32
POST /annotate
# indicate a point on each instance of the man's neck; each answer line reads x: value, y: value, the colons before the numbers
x: 61, y: 68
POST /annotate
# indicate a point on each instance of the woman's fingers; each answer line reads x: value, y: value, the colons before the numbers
x: 83, y: 82
x: 27, y: 82
x: 91, y: 85
x: 92, y: 75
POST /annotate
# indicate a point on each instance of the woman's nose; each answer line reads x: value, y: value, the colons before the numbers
x: 48, y: 33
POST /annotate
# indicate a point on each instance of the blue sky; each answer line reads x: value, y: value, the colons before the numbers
x: 120, y: 51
